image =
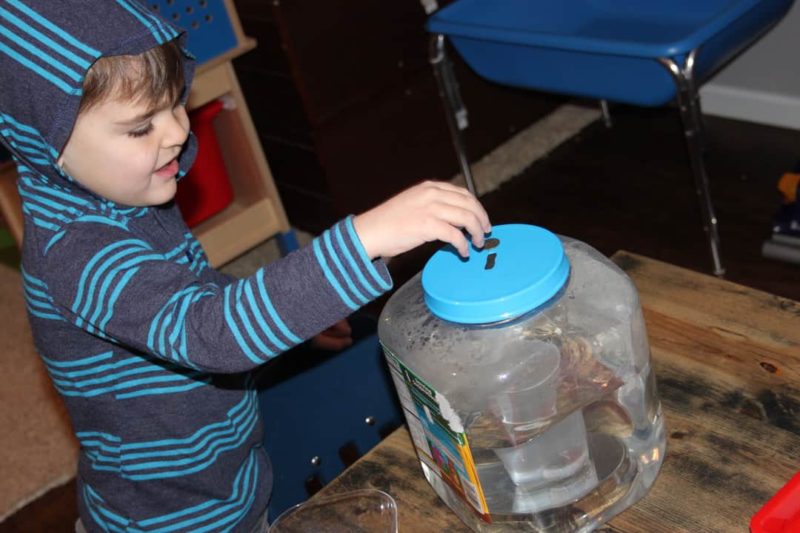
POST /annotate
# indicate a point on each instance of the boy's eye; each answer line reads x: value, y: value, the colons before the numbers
x: 141, y: 132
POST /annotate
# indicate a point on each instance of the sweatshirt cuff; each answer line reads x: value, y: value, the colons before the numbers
x: 351, y: 272
x: 377, y: 270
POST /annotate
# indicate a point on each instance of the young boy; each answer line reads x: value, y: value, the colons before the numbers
x: 150, y: 347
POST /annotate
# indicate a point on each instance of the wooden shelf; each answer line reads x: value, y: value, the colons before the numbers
x: 238, y: 228
x: 256, y: 213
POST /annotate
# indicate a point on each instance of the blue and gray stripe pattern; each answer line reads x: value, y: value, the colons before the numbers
x: 213, y: 515
x: 169, y: 458
x: 38, y: 300
x: 43, y: 48
x: 342, y: 261
x: 160, y: 30
x: 27, y: 140
x: 150, y: 348
x: 121, y: 376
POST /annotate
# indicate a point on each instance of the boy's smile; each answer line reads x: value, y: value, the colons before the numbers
x: 169, y: 170
x: 127, y: 152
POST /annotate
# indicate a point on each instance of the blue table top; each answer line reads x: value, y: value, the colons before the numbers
x: 652, y: 28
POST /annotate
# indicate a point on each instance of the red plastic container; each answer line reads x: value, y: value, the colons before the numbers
x: 206, y: 189
x: 781, y: 514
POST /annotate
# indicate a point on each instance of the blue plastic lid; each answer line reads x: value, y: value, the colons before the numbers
x: 525, y: 268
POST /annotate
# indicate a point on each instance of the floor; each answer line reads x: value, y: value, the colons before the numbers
x: 628, y: 187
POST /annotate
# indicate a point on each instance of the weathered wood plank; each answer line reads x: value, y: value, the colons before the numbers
x: 721, y: 464
x: 714, y: 303
x: 727, y: 361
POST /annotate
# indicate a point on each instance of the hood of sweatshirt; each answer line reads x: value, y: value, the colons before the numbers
x: 46, y: 49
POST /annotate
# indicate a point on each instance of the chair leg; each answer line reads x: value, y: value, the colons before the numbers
x: 700, y: 121
x: 691, y: 116
x: 455, y: 111
x: 606, y: 114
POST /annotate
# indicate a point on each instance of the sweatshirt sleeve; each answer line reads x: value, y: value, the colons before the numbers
x: 112, y: 284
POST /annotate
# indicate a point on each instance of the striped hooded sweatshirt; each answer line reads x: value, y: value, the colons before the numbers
x: 150, y: 348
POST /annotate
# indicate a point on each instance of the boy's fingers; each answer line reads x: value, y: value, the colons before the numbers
x: 458, y: 217
x: 450, y: 234
x: 458, y: 240
x: 464, y: 199
x: 476, y: 231
x: 478, y: 240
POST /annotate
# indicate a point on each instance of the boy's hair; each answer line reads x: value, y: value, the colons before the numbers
x: 155, y: 77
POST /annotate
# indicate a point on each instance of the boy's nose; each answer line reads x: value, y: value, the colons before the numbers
x: 177, y: 128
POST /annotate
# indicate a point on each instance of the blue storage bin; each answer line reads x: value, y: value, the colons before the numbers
x: 315, y: 404
x: 207, y: 23
x: 557, y: 45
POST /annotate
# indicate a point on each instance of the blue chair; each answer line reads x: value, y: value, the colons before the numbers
x: 322, y: 410
x: 640, y: 52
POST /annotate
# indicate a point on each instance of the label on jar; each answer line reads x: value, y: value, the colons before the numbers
x: 438, y: 435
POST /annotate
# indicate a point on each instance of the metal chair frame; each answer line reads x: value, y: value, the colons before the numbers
x: 688, y: 99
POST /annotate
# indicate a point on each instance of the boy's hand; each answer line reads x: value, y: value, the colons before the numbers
x: 426, y: 212
x: 335, y: 338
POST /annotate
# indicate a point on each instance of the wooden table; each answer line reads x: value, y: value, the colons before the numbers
x: 727, y: 360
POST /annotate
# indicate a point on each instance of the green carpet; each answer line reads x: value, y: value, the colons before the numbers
x: 9, y: 255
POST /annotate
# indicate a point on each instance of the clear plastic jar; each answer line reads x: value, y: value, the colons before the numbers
x: 525, y: 377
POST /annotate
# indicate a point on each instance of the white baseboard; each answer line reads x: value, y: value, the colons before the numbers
x: 751, y: 105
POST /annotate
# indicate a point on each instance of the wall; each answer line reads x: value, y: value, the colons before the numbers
x: 763, y: 84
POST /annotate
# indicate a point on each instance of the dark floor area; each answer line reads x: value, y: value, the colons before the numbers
x: 628, y: 187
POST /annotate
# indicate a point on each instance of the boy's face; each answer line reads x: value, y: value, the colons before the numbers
x: 126, y: 152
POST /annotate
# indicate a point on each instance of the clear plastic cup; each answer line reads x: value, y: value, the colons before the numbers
x: 552, y: 457
x: 529, y: 386
x: 367, y: 511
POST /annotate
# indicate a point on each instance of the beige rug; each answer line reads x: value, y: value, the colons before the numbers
x: 533, y: 143
x: 37, y: 449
